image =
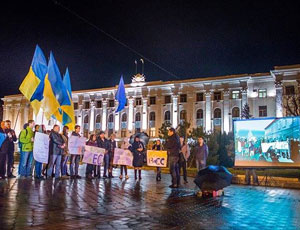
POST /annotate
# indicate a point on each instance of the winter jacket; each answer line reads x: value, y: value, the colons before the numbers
x: 26, y: 139
x: 56, y: 141
x: 5, y: 145
x: 103, y: 143
x: 173, y: 145
x: 66, y: 148
x: 202, y: 153
x: 12, y: 139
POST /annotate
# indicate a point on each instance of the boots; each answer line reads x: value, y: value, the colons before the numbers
x: 140, y: 174
x: 135, y: 176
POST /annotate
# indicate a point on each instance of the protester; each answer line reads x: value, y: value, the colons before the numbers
x: 201, y: 154
x: 173, y: 147
x: 66, y: 154
x: 75, y: 159
x: 21, y: 152
x: 111, y: 150
x: 56, y: 149
x: 36, y: 129
x: 26, y: 138
x: 11, y: 149
x: 102, y: 143
x: 125, y: 145
x: 90, y: 167
x: 138, y: 150
x: 39, y: 165
x: 3, y: 150
x: 184, y: 155
x: 158, y: 147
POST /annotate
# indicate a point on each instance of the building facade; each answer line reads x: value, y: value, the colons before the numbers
x: 211, y: 103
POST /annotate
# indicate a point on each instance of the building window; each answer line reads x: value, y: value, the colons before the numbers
x: 98, y: 122
x: 262, y: 93
x: 86, y: 126
x: 152, y: 116
x: 75, y: 105
x: 183, y: 98
x: 217, y: 96
x: 110, y: 124
x: 235, y: 112
x: 86, y: 104
x: 99, y: 104
x: 111, y: 118
x: 262, y: 111
x: 138, y: 101
x: 217, y: 113
x: 124, y: 117
x: 137, y: 117
x: 289, y: 90
x: 152, y: 100
x: 111, y: 103
x: 199, y: 114
x: 167, y: 116
x: 167, y: 99
x: 124, y: 125
x: 235, y: 94
x: 183, y: 115
x: 123, y: 133
x: 199, y: 97
x: 75, y: 120
x: 152, y: 132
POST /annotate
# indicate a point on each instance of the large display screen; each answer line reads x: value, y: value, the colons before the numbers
x: 269, y: 142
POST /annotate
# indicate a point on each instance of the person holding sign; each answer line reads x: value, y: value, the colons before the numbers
x: 112, y: 145
x: 103, y: 143
x: 56, y: 149
x: 125, y: 146
x: 75, y: 159
x: 89, y: 168
x: 158, y: 147
x: 138, y: 150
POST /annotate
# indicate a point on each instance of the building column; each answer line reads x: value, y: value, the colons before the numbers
x: 278, y: 98
x: 208, y: 111
x: 174, y: 111
x: 92, y: 117
x: 226, y: 124
x: 244, y: 97
x: 104, y: 114
x: 5, y: 110
x: 130, y: 114
x: 117, y: 118
x: 79, y: 117
x: 26, y: 113
x: 145, y: 115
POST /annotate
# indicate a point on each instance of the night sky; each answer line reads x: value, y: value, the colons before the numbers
x: 189, y: 39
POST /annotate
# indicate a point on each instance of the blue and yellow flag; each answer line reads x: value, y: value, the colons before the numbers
x: 68, y: 110
x: 55, y: 93
x: 32, y: 86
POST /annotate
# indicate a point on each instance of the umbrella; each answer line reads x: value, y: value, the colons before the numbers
x: 143, y: 138
x: 213, y: 178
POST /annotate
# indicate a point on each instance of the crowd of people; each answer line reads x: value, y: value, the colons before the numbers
x: 62, y: 164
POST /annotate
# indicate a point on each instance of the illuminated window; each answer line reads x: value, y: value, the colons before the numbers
x: 152, y: 132
x: 235, y: 94
x: 262, y: 93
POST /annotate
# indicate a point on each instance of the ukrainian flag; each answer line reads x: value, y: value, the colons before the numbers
x: 68, y: 110
x: 55, y: 93
x: 32, y: 86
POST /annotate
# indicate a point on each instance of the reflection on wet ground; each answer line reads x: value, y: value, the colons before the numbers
x: 128, y: 204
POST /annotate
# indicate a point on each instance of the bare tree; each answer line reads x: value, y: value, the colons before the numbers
x: 291, y: 103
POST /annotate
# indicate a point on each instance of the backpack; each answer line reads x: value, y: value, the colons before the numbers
x: 19, y: 142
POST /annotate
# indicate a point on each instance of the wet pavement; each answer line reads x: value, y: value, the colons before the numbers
x: 127, y: 204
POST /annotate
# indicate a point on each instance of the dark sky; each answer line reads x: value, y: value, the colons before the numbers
x: 190, y: 39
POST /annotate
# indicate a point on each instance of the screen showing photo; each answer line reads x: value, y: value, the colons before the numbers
x: 270, y: 142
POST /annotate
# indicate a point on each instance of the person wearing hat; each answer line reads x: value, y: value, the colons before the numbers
x: 173, y: 147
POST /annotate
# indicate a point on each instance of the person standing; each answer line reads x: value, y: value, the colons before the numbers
x: 201, y: 154
x: 158, y: 147
x: 125, y: 146
x: 90, y: 167
x: 137, y: 150
x: 111, y: 150
x: 102, y: 143
x: 39, y: 165
x: 173, y: 147
x: 26, y: 138
x: 11, y: 149
x: 36, y: 129
x: 66, y: 154
x: 75, y: 159
x: 3, y: 150
x: 184, y: 155
x: 56, y: 149
x: 21, y: 152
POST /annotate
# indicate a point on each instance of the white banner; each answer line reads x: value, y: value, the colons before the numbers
x: 93, y: 155
x: 122, y: 157
x: 41, y: 147
x: 76, y: 145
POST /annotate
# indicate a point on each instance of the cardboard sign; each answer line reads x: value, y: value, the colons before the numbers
x: 41, y: 147
x: 122, y: 157
x: 76, y: 145
x: 93, y: 155
x: 157, y: 158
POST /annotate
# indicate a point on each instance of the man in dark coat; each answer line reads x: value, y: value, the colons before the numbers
x: 173, y: 147
x: 56, y: 148
x: 201, y: 154
x: 11, y: 149
x: 103, y: 143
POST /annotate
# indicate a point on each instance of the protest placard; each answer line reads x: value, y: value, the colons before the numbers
x: 93, y: 155
x: 41, y: 147
x: 122, y: 157
x: 76, y: 145
x: 157, y: 158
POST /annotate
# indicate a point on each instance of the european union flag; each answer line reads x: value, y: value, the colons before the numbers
x: 121, y: 95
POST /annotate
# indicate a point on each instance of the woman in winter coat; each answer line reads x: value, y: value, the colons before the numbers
x: 125, y: 145
x: 138, y: 150
x: 89, y: 168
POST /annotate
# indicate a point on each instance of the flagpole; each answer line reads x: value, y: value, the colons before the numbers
x: 18, y: 112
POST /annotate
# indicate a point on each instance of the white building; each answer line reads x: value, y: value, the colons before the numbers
x: 211, y: 103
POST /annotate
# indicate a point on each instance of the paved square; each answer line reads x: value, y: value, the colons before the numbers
x: 127, y: 204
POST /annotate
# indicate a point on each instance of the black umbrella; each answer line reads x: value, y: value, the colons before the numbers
x: 143, y: 138
x: 213, y: 178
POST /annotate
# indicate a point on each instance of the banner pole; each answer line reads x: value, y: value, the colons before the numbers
x: 18, y: 113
